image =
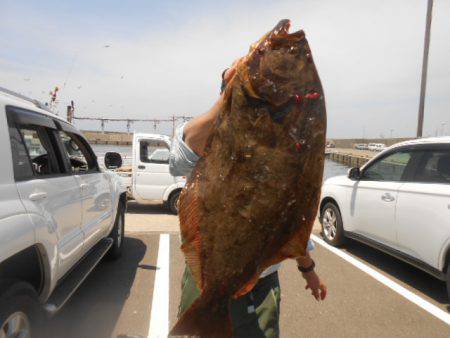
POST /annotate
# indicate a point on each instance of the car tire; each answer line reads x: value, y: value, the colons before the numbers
x: 173, y: 202
x: 332, y: 227
x: 117, y: 234
x: 20, y: 313
x: 447, y: 281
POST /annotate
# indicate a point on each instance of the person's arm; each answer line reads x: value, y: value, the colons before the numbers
x: 313, y: 281
x: 198, y: 130
x: 189, y: 142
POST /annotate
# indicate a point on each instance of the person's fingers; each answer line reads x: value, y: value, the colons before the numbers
x: 315, y: 293
x: 231, y: 71
x: 229, y: 74
x: 324, y: 291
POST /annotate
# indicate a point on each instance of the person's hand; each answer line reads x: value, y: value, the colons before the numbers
x: 313, y: 282
x: 229, y: 73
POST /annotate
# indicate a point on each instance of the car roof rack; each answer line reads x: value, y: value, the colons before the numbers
x: 37, y: 103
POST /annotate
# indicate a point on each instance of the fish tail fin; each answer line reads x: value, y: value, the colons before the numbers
x: 205, y: 318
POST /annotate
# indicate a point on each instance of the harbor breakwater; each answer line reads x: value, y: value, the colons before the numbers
x: 348, y: 158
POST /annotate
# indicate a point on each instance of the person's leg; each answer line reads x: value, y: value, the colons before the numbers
x: 253, y: 315
x: 257, y: 313
x: 189, y: 291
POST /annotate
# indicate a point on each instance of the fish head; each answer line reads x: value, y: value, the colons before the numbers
x: 279, y: 67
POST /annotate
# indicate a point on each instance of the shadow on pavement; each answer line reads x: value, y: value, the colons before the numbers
x: 416, y: 278
x: 95, y: 307
x: 152, y: 209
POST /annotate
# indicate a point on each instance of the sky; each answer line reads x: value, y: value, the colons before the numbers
x: 165, y: 57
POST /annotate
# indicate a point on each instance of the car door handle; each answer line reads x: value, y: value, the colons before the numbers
x: 387, y: 197
x: 36, y: 196
x: 141, y: 166
x: 84, y: 186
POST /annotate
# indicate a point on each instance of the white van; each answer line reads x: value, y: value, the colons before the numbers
x: 372, y: 146
x: 151, y: 180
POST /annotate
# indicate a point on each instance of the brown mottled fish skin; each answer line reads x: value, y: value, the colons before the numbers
x: 252, y: 199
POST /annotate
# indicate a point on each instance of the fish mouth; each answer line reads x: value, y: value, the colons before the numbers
x: 279, y: 34
x: 282, y: 29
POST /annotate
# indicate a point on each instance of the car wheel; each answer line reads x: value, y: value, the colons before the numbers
x: 173, y: 202
x: 20, y: 315
x: 332, y: 228
x: 117, y: 235
x: 447, y: 281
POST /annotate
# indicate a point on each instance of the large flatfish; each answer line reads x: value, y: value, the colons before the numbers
x: 252, y: 199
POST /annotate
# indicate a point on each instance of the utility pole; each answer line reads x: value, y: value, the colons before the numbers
x: 128, y: 126
x: 173, y: 125
x: 423, y: 81
x: 70, y: 112
x: 102, y: 123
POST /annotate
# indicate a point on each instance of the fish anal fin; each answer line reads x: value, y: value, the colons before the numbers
x: 296, y: 246
x: 247, y: 287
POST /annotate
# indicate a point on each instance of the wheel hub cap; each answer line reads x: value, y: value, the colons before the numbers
x: 329, y: 223
x: 16, y: 326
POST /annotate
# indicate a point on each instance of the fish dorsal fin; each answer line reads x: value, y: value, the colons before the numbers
x: 190, y: 230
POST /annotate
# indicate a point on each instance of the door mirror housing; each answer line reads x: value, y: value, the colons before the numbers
x: 354, y: 174
x: 113, y: 160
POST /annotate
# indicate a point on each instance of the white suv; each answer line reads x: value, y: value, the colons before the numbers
x: 399, y: 202
x: 59, y: 213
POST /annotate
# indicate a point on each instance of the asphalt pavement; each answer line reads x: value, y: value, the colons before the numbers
x: 116, y: 299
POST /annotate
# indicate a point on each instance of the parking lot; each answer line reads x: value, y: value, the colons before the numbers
x: 116, y: 299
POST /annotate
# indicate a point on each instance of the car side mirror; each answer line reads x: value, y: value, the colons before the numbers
x: 113, y: 160
x: 354, y: 174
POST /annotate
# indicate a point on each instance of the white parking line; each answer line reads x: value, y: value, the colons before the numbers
x: 412, y: 297
x: 159, y: 317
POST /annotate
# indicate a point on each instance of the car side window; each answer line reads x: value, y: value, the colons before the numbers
x: 160, y: 156
x: 21, y: 161
x: 39, y: 149
x: 389, y: 168
x: 434, y: 167
x: 147, y: 149
x: 81, y: 159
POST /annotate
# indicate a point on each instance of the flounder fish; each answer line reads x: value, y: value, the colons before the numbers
x: 251, y: 201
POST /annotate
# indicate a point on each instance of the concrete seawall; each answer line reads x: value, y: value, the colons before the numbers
x: 349, y: 157
x: 350, y: 142
x: 121, y: 138
x: 115, y: 138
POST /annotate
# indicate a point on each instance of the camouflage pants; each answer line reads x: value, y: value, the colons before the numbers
x: 254, y: 315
